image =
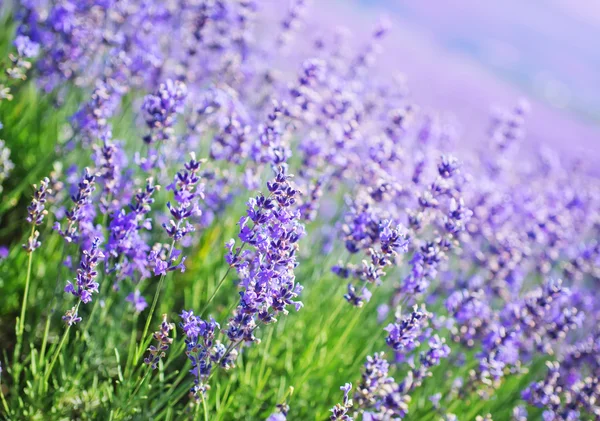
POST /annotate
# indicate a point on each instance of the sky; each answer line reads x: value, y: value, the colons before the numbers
x: 463, y: 57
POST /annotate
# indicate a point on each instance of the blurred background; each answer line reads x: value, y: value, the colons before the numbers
x: 463, y: 57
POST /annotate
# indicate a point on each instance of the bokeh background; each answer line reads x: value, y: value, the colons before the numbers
x: 464, y: 57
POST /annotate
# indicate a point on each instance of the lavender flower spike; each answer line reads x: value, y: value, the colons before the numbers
x: 186, y: 191
x: 162, y: 337
x: 36, y: 212
x: 85, y: 283
x: 78, y: 211
x: 340, y: 411
x: 137, y: 300
x: 161, y: 109
x: 402, y: 335
x: 202, y: 350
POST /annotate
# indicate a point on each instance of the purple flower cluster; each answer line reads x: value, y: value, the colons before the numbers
x: 159, y: 351
x: 571, y: 386
x: 203, y: 350
x: 268, y: 286
x: 81, y: 210
x: 340, y: 411
x: 161, y: 109
x: 36, y: 212
x: 186, y: 192
x: 380, y: 397
x: 126, y: 242
x: 85, y: 284
x: 403, y: 335
x: 26, y: 49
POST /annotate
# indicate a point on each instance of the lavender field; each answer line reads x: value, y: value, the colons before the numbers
x: 304, y: 210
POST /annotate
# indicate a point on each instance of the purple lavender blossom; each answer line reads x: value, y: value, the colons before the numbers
x: 85, y: 283
x: 161, y: 109
x: 281, y: 414
x: 158, y: 352
x: 272, y: 228
x: 125, y: 240
x: 402, y: 335
x: 186, y: 191
x: 25, y: 47
x: 276, y: 416
x: 203, y: 351
x: 71, y: 317
x: 137, y: 300
x: 36, y: 212
x: 79, y: 211
x: 340, y: 411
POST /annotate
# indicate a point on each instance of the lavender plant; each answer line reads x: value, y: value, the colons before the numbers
x: 444, y: 281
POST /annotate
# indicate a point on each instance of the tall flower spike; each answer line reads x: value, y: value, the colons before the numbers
x: 158, y: 352
x: 202, y: 350
x: 85, y: 283
x: 272, y: 228
x: 36, y: 212
x: 186, y: 191
x: 78, y: 211
x: 375, y: 380
x: 392, y: 241
x: 161, y: 109
x: 340, y: 411
x: 402, y: 335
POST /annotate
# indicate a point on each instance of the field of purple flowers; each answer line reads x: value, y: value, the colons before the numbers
x: 209, y: 212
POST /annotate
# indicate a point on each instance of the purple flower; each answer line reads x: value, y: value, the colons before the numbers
x: 71, y: 317
x: 137, y: 300
x: 281, y: 414
x: 79, y: 211
x: 202, y: 350
x: 125, y: 239
x: 25, y: 47
x: 374, y: 382
x: 448, y: 166
x: 186, y: 191
x: 85, y: 283
x: 340, y: 411
x: 161, y: 109
x: 402, y: 335
x: 36, y: 212
x: 158, y: 352
x: 267, y: 274
x: 276, y: 416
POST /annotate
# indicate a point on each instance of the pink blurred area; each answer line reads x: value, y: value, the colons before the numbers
x: 461, y: 58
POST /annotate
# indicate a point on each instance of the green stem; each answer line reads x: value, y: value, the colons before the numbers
x: 220, y: 284
x: 20, y: 328
x: 48, y: 370
x: 131, y: 345
x: 137, y: 388
x: 149, y: 319
x: 204, y: 407
x: 24, y: 304
x: 212, y: 297
x: 51, y: 310
x: 4, y: 403
x: 140, y: 349
x: 45, y: 339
